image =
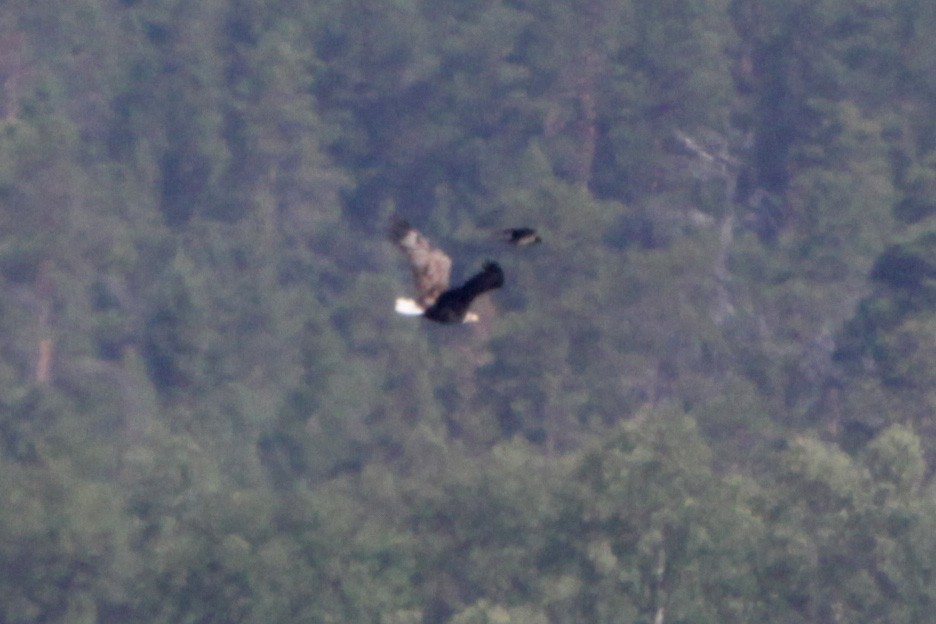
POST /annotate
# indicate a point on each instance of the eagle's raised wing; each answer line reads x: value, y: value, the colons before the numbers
x: 431, y: 267
x: 452, y: 306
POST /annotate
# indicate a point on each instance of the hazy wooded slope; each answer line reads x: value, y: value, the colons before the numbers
x: 708, y: 396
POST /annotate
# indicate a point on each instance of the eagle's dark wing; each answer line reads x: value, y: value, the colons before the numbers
x: 431, y: 267
x: 452, y: 305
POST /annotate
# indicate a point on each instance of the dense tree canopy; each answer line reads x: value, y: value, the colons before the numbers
x: 707, y: 396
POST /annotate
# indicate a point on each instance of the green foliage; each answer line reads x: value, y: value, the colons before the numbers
x: 650, y: 522
x: 895, y: 459
x: 843, y: 521
x: 706, y: 397
x: 65, y: 543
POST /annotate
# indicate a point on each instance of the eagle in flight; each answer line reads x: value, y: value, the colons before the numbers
x: 431, y: 269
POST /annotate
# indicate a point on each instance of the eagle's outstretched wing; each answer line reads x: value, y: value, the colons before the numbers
x: 452, y: 306
x: 431, y: 266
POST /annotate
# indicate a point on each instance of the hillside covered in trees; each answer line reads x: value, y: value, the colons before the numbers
x: 709, y: 396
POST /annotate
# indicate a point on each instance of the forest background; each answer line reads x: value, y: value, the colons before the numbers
x: 708, y: 396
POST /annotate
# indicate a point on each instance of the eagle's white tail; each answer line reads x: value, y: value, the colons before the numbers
x: 407, y: 307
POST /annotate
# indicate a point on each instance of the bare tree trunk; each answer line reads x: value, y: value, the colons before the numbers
x: 576, y: 114
x: 660, y: 587
x: 44, y: 362
x: 43, y: 371
x: 12, y: 68
x: 586, y: 130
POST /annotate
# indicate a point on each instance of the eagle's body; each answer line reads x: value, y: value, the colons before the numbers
x: 431, y: 269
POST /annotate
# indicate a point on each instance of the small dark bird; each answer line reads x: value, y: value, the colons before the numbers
x: 521, y: 237
x: 431, y: 269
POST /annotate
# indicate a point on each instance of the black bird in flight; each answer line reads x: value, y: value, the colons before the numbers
x: 522, y: 237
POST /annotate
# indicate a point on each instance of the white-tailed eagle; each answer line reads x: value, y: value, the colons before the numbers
x: 431, y: 269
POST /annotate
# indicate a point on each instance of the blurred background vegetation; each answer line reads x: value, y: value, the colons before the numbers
x: 709, y: 396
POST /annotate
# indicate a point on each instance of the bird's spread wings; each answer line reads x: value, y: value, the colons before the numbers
x: 431, y: 267
x: 452, y: 306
